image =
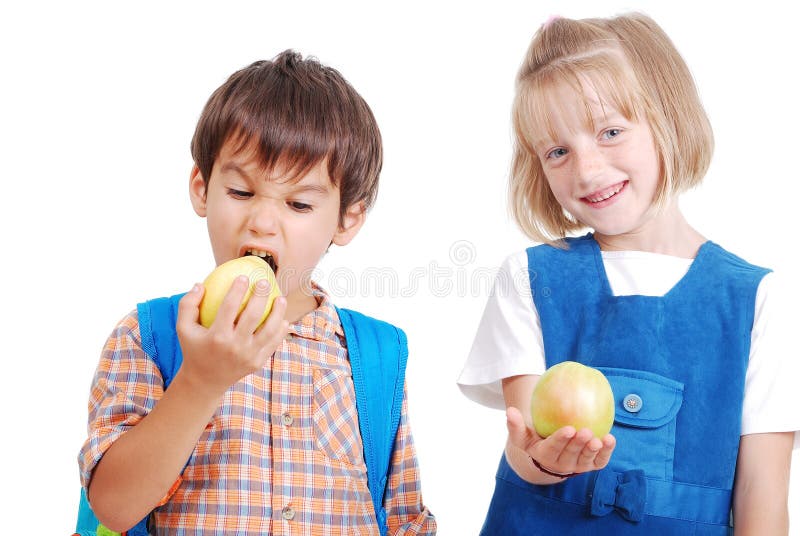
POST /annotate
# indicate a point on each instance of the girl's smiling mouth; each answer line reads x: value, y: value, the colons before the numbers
x: 604, y: 197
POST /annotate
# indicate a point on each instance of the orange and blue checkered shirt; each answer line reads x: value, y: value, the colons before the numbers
x: 283, y: 452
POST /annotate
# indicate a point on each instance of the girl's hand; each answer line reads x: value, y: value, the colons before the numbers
x: 565, y: 452
x: 215, y: 358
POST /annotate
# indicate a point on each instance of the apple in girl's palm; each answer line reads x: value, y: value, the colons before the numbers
x: 220, y: 280
x: 572, y: 394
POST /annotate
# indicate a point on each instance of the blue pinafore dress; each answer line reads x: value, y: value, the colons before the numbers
x: 676, y: 364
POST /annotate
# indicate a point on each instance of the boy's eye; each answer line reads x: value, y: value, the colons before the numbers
x: 556, y: 153
x: 239, y: 194
x: 300, y: 207
x: 611, y: 133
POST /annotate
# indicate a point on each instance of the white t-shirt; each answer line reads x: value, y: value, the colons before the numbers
x: 509, y: 338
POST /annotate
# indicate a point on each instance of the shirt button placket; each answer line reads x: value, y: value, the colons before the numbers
x: 287, y: 513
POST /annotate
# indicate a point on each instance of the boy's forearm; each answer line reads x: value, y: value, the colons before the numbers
x: 141, y: 466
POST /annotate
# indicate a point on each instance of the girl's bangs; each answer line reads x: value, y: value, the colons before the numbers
x: 603, y: 77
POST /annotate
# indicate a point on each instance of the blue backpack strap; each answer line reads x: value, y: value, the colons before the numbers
x: 160, y: 342
x: 157, y: 320
x: 378, y: 353
x: 87, y: 521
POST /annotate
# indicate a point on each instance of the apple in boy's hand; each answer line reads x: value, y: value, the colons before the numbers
x: 220, y: 280
x: 572, y: 394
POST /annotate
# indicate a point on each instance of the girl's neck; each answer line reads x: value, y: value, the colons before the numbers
x: 666, y: 232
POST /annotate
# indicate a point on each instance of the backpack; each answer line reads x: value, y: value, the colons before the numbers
x: 378, y: 352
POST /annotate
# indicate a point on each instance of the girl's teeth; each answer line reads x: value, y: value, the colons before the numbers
x: 606, y: 196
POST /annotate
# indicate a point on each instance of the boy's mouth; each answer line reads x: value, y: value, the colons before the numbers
x: 264, y: 255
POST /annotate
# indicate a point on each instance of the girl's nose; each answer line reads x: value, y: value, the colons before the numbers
x: 589, y: 163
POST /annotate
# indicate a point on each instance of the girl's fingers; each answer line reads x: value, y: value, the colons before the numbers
x: 555, y: 445
x: 571, y: 452
x: 518, y: 433
x: 589, y: 453
x: 604, y: 455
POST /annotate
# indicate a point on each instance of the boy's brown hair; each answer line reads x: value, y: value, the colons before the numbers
x: 294, y: 113
x: 632, y: 64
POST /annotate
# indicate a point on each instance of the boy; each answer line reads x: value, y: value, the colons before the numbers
x: 258, y: 433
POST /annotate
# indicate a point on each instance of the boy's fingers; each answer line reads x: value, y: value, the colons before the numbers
x: 254, y: 310
x: 274, y: 328
x: 229, y: 308
x: 189, y: 306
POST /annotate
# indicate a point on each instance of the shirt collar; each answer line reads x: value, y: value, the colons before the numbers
x: 321, y: 323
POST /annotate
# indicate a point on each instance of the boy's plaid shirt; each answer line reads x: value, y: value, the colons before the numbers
x: 282, y: 454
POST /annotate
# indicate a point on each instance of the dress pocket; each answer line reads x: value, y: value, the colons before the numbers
x: 335, y: 416
x: 646, y: 410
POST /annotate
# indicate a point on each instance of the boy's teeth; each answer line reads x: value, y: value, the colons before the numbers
x: 259, y: 253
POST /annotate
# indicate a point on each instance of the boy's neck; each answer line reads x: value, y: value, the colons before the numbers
x: 298, y: 304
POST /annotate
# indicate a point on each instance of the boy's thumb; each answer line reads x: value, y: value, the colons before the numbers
x: 189, y: 305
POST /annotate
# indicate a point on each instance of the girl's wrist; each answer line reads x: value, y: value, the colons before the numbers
x: 542, y: 469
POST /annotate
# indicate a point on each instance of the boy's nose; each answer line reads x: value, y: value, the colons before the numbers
x: 263, y: 219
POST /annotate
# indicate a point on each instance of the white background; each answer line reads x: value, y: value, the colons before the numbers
x: 98, y: 104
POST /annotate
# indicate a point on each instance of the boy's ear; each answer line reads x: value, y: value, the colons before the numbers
x: 352, y: 221
x: 197, y: 191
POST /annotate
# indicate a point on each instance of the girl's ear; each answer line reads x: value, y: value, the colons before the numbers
x: 352, y: 221
x: 197, y: 191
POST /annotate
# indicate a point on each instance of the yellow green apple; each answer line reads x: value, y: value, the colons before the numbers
x: 220, y: 280
x: 572, y: 394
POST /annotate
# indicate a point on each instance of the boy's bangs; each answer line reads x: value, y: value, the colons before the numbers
x: 282, y: 141
x: 602, y: 78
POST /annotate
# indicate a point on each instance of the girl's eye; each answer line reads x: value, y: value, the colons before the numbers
x: 300, y: 207
x: 239, y: 194
x: 611, y: 133
x: 556, y: 153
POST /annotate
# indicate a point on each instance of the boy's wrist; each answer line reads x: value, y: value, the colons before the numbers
x: 198, y: 391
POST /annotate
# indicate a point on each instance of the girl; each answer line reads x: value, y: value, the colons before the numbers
x: 609, y: 131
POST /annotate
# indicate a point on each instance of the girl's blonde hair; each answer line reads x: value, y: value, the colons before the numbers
x: 631, y: 63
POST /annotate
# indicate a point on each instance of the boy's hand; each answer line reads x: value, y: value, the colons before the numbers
x: 217, y: 357
x: 566, y: 451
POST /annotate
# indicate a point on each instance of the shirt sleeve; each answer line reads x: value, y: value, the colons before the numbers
x: 509, y: 337
x: 125, y: 388
x: 771, y: 396
x: 405, y: 512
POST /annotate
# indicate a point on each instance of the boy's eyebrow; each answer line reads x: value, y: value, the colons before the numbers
x: 233, y: 166
x: 310, y: 188
x: 299, y: 188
